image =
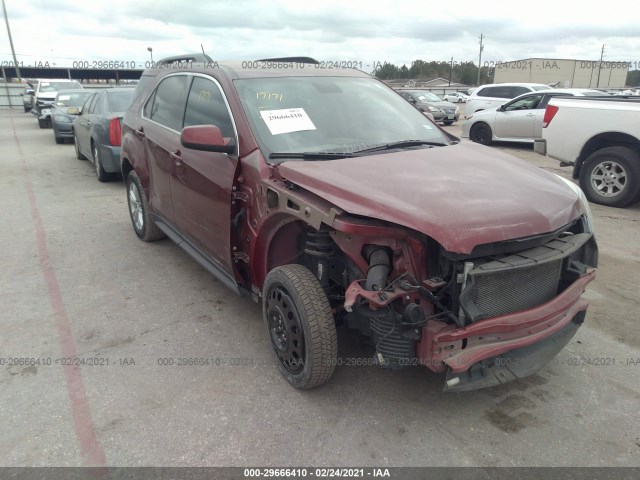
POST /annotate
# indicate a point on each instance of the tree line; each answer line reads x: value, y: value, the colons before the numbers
x: 456, y: 72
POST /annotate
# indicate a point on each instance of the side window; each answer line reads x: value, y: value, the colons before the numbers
x: 91, y: 105
x: 97, y: 107
x: 168, y: 101
x: 545, y: 101
x: 206, y: 106
x: 517, y: 91
x: 87, y: 104
x: 527, y: 103
x: 148, y: 106
x: 486, y: 92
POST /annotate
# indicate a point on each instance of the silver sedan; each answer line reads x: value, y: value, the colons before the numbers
x: 518, y: 120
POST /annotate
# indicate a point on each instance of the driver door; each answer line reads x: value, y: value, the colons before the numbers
x: 518, y: 118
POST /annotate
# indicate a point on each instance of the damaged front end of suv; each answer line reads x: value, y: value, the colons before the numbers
x: 424, y: 286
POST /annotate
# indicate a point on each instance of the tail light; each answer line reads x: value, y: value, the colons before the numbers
x: 549, y: 113
x: 115, y: 132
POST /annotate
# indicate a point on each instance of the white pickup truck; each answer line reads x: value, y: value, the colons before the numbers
x: 600, y: 137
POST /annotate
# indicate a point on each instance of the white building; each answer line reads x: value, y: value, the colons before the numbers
x: 563, y: 73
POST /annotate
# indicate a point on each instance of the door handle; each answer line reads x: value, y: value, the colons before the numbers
x: 177, y: 158
x: 140, y: 132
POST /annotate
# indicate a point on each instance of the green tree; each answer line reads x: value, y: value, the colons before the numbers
x: 633, y: 78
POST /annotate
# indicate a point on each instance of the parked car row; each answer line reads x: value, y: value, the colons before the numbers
x: 517, y: 120
x: 89, y: 118
x: 44, y: 96
x: 428, y: 102
x: 97, y: 130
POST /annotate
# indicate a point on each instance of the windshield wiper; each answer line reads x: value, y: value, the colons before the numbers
x: 311, y: 155
x: 400, y: 144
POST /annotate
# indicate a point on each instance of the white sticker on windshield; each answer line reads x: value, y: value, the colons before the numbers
x: 287, y: 120
x: 64, y: 97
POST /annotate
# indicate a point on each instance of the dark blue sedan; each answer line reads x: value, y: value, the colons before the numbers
x: 61, y: 120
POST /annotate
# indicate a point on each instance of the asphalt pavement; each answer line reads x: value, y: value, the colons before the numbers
x: 118, y: 352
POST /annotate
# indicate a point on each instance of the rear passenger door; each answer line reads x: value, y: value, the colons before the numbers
x: 162, y: 122
x: 201, y: 184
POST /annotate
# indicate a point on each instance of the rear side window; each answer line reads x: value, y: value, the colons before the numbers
x: 502, y: 91
x: 517, y: 91
x: 491, y: 92
x: 206, y: 106
x: 119, y: 101
x: 168, y: 102
x: 94, y: 101
x: 98, y: 106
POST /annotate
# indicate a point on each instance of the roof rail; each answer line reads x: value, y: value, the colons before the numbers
x: 187, y: 58
x: 290, y: 59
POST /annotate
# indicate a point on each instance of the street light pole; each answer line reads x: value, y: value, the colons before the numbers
x: 150, y: 53
x: 13, y: 52
x: 480, y: 58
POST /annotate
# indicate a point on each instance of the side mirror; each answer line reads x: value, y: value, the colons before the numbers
x: 74, y: 111
x: 207, y: 138
x: 502, y: 108
x: 29, y: 91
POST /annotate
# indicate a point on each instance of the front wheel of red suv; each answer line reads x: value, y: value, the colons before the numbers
x: 141, y: 219
x: 300, y: 325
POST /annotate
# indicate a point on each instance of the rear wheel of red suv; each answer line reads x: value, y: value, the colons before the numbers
x: 300, y: 325
x: 141, y: 219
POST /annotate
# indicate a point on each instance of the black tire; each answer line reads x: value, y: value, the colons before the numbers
x: 481, y: 133
x: 42, y: 123
x: 141, y: 220
x: 27, y: 109
x: 101, y: 175
x: 611, y: 176
x: 448, y: 122
x: 300, y: 326
x: 79, y: 155
x: 59, y: 140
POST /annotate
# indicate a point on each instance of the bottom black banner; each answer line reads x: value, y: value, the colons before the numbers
x: 296, y: 473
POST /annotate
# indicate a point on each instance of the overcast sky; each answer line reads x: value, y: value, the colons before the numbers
x: 61, y: 32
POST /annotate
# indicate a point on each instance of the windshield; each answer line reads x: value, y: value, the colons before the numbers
x: 119, y: 101
x: 330, y: 114
x: 57, y: 86
x: 71, y: 99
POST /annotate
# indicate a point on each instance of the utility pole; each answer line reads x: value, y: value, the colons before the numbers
x: 450, y: 70
x: 480, y: 58
x: 600, y: 66
x: 13, y: 52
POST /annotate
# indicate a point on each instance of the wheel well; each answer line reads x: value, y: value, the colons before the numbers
x: 604, y: 140
x: 298, y: 243
x: 125, y: 168
x: 287, y: 245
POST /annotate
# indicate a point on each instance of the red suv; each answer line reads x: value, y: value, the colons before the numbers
x: 324, y: 195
